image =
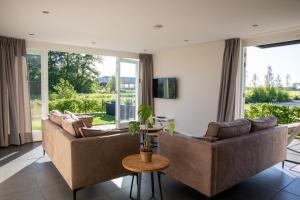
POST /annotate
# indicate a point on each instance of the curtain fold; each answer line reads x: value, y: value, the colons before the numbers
x: 146, y: 72
x: 227, y: 95
x: 15, y: 119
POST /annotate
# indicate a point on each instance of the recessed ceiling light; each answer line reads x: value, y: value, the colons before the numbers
x: 31, y: 34
x: 186, y: 40
x: 254, y: 25
x: 45, y: 12
x: 158, y: 26
x: 93, y: 42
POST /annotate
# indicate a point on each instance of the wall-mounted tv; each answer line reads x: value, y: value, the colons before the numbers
x: 165, y: 88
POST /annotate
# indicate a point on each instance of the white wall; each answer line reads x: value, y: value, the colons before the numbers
x: 198, y: 72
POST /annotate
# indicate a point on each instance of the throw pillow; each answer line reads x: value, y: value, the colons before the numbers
x: 71, y: 114
x: 56, y: 117
x: 72, y: 126
x: 224, y: 130
x: 264, y: 123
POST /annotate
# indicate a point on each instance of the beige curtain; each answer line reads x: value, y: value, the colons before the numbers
x: 226, y: 108
x: 15, y: 119
x: 146, y: 71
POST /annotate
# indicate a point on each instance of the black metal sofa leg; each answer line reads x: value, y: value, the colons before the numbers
x: 75, y: 193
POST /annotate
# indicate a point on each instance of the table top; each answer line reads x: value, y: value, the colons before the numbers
x: 155, y: 128
x: 135, y: 164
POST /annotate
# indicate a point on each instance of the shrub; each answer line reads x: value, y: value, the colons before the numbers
x: 264, y: 94
x: 78, y: 105
x: 284, y: 114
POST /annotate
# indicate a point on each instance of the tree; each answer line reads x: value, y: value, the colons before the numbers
x: 34, y: 67
x: 111, y: 84
x: 278, y: 82
x: 254, y: 80
x: 78, y: 69
x: 287, y: 80
x: 269, y: 78
x: 63, y: 90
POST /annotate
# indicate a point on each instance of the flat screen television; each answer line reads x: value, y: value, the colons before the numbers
x: 165, y: 88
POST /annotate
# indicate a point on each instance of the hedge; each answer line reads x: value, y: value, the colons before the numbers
x: 284, y: 114
x: 78, y: 105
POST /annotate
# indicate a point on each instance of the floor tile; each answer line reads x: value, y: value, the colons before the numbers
x: 282, y: 195
x: 294, y: 187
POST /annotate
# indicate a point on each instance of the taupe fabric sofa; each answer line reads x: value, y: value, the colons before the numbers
x: 87, y: 161
x: 212, y: 167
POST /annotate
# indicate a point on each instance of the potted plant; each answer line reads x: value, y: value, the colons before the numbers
x: 142, y: 126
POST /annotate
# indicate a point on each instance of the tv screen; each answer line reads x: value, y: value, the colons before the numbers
x: 165, y: 88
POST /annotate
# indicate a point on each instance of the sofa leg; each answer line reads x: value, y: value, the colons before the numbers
x: 75, y: 193
x: 282, y: 164
x: 44, y: 152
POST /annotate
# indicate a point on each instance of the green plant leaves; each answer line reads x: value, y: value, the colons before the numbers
x: 133, y: 127
x: 171, y: 128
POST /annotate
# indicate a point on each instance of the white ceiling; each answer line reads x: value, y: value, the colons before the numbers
x: 126, y: 25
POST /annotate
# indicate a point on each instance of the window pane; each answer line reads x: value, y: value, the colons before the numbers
x: 34, y: 68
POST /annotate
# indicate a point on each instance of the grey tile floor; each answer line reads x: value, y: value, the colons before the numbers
x: 25, y: 174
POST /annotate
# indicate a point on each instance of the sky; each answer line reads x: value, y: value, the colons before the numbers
x: 108, y: 67
x: 284, y: 60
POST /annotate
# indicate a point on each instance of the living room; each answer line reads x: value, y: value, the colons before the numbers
x: 138, y: 100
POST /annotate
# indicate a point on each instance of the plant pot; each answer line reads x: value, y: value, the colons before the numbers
x: 146, y: 156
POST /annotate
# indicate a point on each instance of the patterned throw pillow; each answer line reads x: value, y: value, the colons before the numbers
x: 72, y: 126
x: 71, y: 114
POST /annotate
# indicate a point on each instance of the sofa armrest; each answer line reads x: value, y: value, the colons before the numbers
x: 98, y: 159
x: 57, y: 143
x: 191, y: 160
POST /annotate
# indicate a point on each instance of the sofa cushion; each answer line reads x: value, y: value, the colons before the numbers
x: 224, y: 130
x: 72, y: 126
x: 94, y: 132
x: 56, y: 117
x: 264, y: 123
x: 207, y: 138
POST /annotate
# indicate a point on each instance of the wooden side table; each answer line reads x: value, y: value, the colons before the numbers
x: 134, y: 164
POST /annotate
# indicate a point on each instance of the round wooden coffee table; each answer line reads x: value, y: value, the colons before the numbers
x: 134, y: 164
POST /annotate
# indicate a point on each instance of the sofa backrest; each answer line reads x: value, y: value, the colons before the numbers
x: 238, y: 158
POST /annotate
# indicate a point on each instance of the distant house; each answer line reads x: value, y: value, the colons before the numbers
x: 126, y: 82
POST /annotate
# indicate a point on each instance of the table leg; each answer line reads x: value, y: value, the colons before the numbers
x: 152, y: 184
x: 159, y: 183
x: 139, y: 186
x: 130, y: 194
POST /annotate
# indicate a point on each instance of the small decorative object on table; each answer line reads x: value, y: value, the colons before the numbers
x: 142, y: 127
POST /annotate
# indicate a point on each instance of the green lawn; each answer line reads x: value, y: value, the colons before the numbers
x: 99, y: 119
x: 294, y: 94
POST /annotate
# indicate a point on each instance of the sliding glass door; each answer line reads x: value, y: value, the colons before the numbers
x: 35, y: 61
x: 127, y: 91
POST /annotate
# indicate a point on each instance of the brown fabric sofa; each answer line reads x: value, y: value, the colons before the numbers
x: 87, y: 161
x: 212, y: 167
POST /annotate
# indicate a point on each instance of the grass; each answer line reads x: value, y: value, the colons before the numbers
x: 101, y: 119
x: 294, y: 94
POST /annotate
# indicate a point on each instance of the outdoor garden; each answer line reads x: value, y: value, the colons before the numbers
x: 273, y: 99
x: 74, y: 86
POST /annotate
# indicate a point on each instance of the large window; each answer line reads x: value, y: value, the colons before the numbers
x: 102, y: 86
x: 273, y: 82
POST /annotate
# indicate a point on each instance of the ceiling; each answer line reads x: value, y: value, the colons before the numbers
x: 127, y: 25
